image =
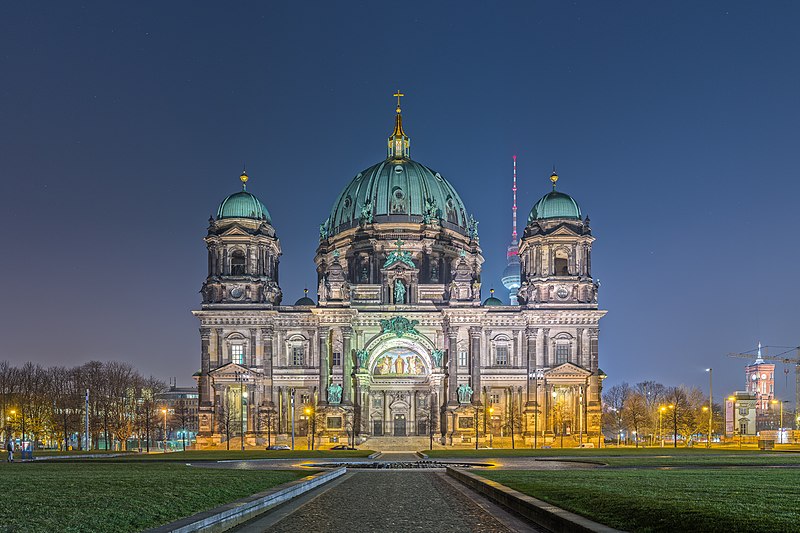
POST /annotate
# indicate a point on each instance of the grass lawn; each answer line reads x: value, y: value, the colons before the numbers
x: 225, y: 455
x: 635, y: 457
x: 97, y: 496
x: 742, y: 499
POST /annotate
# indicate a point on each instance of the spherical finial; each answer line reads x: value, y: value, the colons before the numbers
x: 554, y: 178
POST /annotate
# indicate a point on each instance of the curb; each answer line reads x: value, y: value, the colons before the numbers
x: 232, y: 514
x: 537, y: 511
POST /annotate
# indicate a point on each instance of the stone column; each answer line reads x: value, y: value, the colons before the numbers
x: 347, y: 366
x: 452, y: 367
x: 324, y: 365
x: 204, y: 391
x: 266, y: 360
x: 545, y: 359
x: 475, y: 362
x: 530, y: 348
x: 251, y: 359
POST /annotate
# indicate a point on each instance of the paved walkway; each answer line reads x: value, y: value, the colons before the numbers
x: 395, y: 501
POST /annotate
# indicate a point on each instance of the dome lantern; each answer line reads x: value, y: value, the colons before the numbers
x: 398, y: 140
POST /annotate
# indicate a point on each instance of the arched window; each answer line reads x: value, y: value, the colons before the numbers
x: 237, y: 263
x: 561, y: 263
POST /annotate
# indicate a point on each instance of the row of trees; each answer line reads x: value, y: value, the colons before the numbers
x: 650, y: 411
x: 48, y: 405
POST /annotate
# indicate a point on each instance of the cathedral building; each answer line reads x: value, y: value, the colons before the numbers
x: 399, y: 344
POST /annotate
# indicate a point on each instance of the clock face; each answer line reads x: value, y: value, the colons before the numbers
x: 562, y: 292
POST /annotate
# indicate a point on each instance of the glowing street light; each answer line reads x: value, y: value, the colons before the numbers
x: 710, y: 405
x: 165, y: 429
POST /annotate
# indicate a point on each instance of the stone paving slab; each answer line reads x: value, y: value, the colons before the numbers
x: 392, y: 501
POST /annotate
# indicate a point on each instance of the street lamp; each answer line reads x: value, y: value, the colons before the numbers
x: 780, y: 427
x: 491, y: 429
x: 710, y: 406
x: 310, y: 414
x: 165, y: 429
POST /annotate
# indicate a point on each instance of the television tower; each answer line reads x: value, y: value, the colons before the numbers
x: 511, y: 279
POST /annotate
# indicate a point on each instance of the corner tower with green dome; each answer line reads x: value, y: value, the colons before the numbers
x: 243, y: 253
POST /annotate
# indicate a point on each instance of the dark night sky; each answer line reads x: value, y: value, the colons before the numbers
x: 674, y: 124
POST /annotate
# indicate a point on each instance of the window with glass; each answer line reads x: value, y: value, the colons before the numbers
x: 237, y: 353
x: 298, y: 355
x: 562, y: 353
x: 337, y: 359
x: 462, y: 358
x: 501, y: 355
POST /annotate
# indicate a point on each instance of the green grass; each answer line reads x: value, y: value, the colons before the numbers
x: 742, y: 499
x: 225, y: 455
x: 98, y: 496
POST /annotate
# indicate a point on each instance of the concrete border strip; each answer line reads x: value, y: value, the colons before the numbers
x: 537, y: 511
x: 232, y: 514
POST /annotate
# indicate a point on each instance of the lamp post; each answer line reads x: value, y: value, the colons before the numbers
x: 710, y: 405
x: 491, y: 429
x: 165, y: 429
x: 674, y: 426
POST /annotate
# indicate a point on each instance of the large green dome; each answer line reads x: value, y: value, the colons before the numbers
x: 555, y: 205
x: 398, y: 190
x: 243, y: 205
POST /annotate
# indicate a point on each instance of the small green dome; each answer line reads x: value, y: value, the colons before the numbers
x: 555, y: 204
x: 491, y: 301
x: 243, y: 205
x: 398, y: 190
x: 305, y: 301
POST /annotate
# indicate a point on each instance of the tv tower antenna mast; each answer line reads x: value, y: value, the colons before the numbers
x: 511, y: 274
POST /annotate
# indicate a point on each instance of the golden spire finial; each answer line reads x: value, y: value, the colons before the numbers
x: 398, y: 95
x: 554, y: 177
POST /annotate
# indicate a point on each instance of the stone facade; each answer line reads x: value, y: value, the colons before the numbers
x: 399, y: 343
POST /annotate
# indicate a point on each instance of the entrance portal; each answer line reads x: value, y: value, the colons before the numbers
x: 399, y: 425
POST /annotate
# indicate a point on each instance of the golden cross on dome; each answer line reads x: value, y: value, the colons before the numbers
x: 398, y: 95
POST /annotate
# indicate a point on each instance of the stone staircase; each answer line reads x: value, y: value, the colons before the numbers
x: 396, y: 444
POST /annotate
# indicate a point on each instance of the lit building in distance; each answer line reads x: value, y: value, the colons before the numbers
x: 398, y: 344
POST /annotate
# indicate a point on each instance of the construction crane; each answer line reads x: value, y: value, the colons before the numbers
x: 783, y: 358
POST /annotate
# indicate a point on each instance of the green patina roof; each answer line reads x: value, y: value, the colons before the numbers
x: 396, y: 182
x: 555, y: 205
x: 243, y: 205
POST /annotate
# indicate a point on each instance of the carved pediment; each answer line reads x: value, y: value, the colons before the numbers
x: 235, y: 231
x: 234, y: 371
x: 567, y: 370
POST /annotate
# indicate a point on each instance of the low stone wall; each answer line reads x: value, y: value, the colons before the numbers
x: 542, y: 513
x: 232, y: 514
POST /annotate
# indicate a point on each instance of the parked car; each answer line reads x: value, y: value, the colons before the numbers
x: 342, y: 447
x: 278, y: 447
